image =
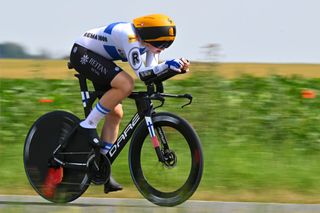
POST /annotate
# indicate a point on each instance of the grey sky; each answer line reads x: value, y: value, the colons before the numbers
x: 246, y: 30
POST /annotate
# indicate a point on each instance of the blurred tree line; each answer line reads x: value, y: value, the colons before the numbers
x: 210, y: 51
x: 14, y: 50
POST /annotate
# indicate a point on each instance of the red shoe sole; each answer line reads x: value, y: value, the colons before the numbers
x: 54, y: 177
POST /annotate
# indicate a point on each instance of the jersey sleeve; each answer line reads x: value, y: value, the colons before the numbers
x: 152, y: 59
x: 142, y: 70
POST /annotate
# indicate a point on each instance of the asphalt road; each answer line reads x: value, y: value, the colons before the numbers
x: 35, y: 204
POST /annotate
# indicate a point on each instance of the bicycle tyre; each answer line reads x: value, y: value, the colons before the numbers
x: 41, y: 141
x: 189, y: 140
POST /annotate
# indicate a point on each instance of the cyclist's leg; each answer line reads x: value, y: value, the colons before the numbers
x: 105, y: 76
x: 111, y: 125
x: 121, y: 87
x: 117, y: 84
x: 112, y: 119
x: 109, y: 135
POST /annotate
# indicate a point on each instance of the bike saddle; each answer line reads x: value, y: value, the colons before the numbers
x: 70, y: 65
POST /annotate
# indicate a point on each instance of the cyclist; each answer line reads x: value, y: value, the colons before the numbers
x: 93, y: 54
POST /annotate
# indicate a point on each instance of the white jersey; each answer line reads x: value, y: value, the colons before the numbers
x: 118, y: 41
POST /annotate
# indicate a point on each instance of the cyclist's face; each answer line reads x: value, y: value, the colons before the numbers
x: 153, y: 49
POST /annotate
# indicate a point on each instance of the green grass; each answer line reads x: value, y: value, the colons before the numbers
x: 258, y: 135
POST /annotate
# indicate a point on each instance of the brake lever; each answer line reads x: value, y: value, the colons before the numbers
x: 158, y: 97
x: 187, y: 96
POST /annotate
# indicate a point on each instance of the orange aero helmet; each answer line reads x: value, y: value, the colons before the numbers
x: 156, y: 29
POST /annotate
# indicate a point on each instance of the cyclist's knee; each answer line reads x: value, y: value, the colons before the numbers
x: 128, y: 87
x: 117, y: 113
x: 113, y: 119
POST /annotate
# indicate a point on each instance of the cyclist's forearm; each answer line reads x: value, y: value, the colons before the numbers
x: 149, y: 72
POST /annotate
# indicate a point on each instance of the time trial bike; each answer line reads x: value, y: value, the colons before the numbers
x: 165, y: 154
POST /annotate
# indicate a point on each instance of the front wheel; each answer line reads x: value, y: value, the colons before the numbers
x: 171, y: 182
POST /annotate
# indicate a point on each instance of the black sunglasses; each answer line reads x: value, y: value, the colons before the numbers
x: 161, y: 44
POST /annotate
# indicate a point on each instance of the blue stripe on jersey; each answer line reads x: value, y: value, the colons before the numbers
x: 112, y: 51
x: 111, y: 26
x: 142, y: 50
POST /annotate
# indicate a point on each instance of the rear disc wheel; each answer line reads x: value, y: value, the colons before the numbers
x: 43, y: 138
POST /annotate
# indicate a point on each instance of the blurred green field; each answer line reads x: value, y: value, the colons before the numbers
x: 57, y: 69
x: 261, y: 139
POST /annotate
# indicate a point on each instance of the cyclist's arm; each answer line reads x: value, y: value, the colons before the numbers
x: 152, y: 68
x: 148, y: 70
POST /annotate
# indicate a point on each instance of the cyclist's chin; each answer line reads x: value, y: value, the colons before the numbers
x: 158, y: 51
x: 153, y: 49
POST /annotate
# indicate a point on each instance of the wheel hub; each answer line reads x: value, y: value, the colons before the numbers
x: 170, y: 159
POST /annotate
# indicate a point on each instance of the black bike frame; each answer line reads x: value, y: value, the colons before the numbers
x: 126, y: 134
x: 123, y: 138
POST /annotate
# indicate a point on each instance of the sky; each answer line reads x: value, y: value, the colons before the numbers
x: 262, y: 31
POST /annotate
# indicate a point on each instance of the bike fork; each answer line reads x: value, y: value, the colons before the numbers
x: 154, y: 138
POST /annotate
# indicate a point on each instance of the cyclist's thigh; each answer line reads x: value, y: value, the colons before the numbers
x: 122, y: 80
x: 93, y: 66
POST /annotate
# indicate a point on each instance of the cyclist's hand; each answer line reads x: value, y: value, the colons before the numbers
x: 175, y: 64
x: 186, y: 64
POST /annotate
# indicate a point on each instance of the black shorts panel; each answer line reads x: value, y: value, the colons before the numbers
x: 94, y: 67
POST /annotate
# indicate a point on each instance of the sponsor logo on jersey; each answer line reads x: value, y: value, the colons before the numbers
x: 96, y: 37
x: 132, y: 38
x: 97, y: 66
x: 84, y: 59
